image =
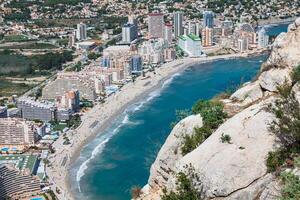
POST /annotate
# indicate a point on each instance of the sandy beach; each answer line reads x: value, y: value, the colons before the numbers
x: 101, y: 115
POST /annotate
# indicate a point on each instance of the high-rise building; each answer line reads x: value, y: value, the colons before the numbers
x: 207, y: 37
x: 168, y: 33
x: 71, y: 42
x: 178, y: 20
x: 34, y: 110
x: 156, y: 25
x: 81, y: 31
x: 136, y: 64
x: 129, y: 33
x: 16, y: 133
x: 70, y: 100
x: 243, y: 44
x: 208, y: 19
x: 263, y: 38
x: 197, y: 29
x: 190, y: 44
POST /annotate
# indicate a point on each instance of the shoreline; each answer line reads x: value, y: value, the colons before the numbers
x: 101, y: 116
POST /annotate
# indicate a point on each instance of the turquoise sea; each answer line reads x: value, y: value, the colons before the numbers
x: 121, y: 156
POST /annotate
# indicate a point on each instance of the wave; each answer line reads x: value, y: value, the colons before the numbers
x: 81, y: 171
x: 106, y: 137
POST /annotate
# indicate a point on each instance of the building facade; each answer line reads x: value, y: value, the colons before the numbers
x: 190, y: 44
x: 129, y: 33
x: 81, y: 33
x: 16, y: 133
x: 168, y: 33
x: 207, y: 37
x: 178, y: 20
x: 208, y: 19
x: 136, y: 64
x: 156, y: 25
x: 263, y: 38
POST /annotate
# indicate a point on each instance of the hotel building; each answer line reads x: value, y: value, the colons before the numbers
x: 81, y: 32
x: 16, y: 133
x: 208, y: 19
x: 190, y: 44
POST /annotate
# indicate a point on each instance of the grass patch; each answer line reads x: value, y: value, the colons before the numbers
x: 291, y: 186
x: 31, y: 45
x: 16, y: 38
x: 8, y: 88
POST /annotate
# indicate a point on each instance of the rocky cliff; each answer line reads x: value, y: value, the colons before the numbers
x: 234, y: 170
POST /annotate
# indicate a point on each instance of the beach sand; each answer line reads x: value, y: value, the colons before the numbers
x: 101, y: 115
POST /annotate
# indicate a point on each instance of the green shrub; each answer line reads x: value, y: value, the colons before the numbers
x: 296, y: 74
x: 291, y: 186
x: 211, y: 112
x: 193, y: 141
x: 212, y: 115
x: 225, y: 138
x: 185, y: 189
x: 275, y: 159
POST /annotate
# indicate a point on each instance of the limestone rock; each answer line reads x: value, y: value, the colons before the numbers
x: 270, y: 80
x: 248, y: 93
x: 170, y: 152
x: 286, y: 49
x: 225, y: 168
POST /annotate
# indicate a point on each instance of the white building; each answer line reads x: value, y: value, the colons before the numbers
x: 129, y: 33
x: 81, y: 32
x: 243, y: 45
x: 190, y: 44
x: 263, y: 38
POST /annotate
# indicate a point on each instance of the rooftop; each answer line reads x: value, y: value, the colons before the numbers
x: 20, y: 161
x: 194, y: 37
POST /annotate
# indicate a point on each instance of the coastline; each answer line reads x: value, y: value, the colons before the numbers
x: 100, y: 117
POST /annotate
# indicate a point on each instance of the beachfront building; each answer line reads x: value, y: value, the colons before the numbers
x: 34, y: 110
x: 178, y: 20
x: 207, y: 37
x: 81, y: 31
x: 3, y: 111
x: 152, y: 51
x: 169, y: 54
x: 243, y: 45
x: 263, y: 38
x: 67, y: 81
x: 70, y: 100
x: 16, y: 134
x: 156, y: 25
x: 245, y: 31
x: 17, y: 185
x: 190, y: 44
x: 136, y: 64
x: 208, y: 19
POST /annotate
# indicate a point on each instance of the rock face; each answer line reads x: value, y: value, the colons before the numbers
x: 270, y: 80
x: 249, y: 93
x: 234, y: 170
x: 286, y: 49
x: 170, y: 153
x: 225, y: 168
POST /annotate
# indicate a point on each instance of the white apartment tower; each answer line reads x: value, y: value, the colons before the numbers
x: 81, y: 31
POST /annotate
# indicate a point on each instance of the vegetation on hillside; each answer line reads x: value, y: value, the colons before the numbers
x: 185, y: 189
x: 287, y: 129
x: 12, y: 63
x: 212, y: 115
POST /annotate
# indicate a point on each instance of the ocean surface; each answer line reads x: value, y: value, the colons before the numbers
x: 120, y: 157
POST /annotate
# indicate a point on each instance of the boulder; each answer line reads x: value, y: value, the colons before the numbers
x: 249, y: 93
x: 270, y: 80
x: 226, y: 168
x: 297, y: 22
